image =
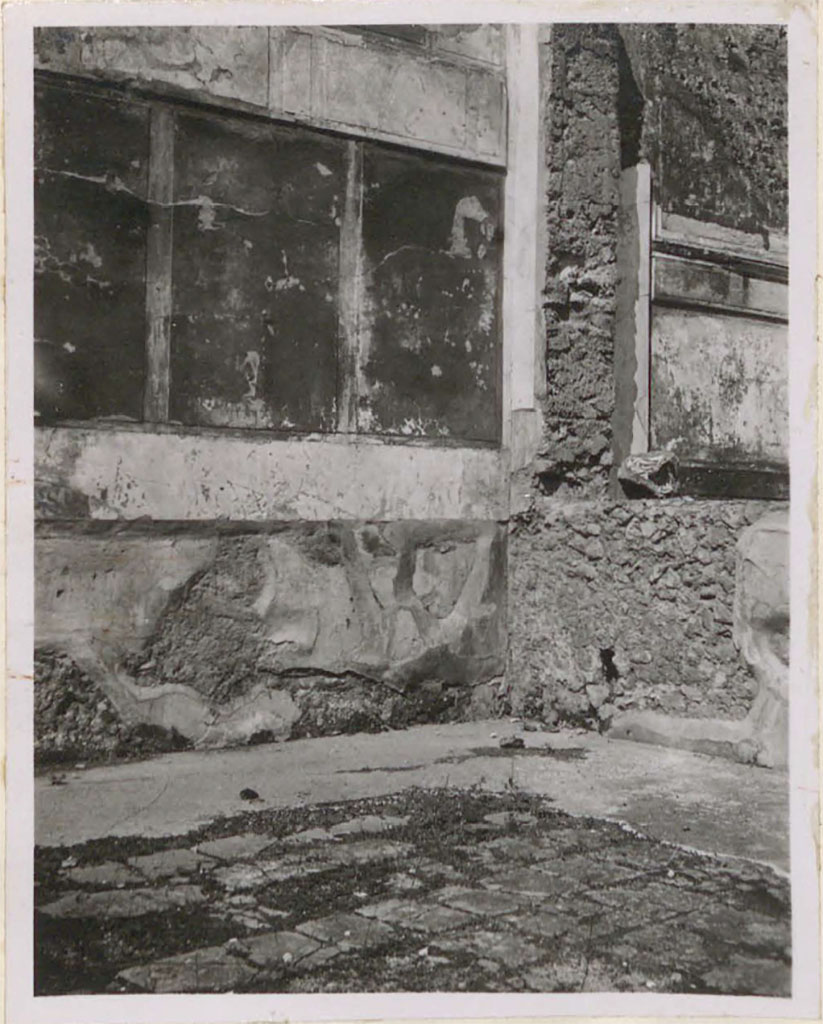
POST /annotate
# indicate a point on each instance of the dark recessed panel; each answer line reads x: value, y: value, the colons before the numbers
x: 430, y: 333
x: 91, y: 223
x: 255, y: 275
x: 408, y: 33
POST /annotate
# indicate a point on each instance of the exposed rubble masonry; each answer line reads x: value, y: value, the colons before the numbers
x: 619, y: 604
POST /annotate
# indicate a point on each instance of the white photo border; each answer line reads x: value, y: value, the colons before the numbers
x: 21, y: 1005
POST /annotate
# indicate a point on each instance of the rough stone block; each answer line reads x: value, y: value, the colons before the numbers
x: 288, y: 950
x: 111, y: 874
x: 546, y: 924
x: 242, y: 877
x: 308, y: 835
x: 508, y: 948
x: 348, y: 932
x: 370, y: 824
x: 416, y: 916
x: 509, y: 818
x: 510, y: 848
x: 169, y: 863
x: 478, y: 901
x: 751, y: 976
x: 123, y: 903
x: 367, y: 851
x: 240, y: 847
x: 212, y: 969
x: 530, y: 882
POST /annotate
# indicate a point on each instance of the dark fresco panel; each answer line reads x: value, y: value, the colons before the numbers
x: 256, y: 232
x: 408, y: 33
x: 91, y: 223
x: 430, y: 333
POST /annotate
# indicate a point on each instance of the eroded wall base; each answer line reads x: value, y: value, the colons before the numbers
x: 222, y: 635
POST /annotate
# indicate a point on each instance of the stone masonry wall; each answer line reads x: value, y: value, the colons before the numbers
x: 618, y: 604
x: 583, y: 169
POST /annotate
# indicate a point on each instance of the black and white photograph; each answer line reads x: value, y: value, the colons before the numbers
x: 410, y: 563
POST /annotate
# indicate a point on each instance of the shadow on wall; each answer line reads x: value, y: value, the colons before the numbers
x: 313, y: 628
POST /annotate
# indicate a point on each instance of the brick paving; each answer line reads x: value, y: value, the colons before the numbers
x: 437, y: 891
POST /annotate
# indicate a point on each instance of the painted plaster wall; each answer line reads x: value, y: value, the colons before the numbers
x: 131, y: 474
x: 230, y: 272
x: 210, y: 587
x: 444, y: 89
x: 617, y: 604
x: 742, y: 411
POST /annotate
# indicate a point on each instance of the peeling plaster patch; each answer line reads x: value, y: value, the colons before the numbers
x: 413, y: 427
x: 485, y: 320
x: 209, y: 61
x: 284, y: 283
x: 251, y: 368
x: 468, y: 208
x: 221, y: 638
x: 288, y: 280
x: 436, y: 371
x: 206, y: 214
x: 90, y: 255
x: 322, y: 169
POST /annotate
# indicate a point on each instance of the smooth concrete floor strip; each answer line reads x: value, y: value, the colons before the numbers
x: 696, y: 801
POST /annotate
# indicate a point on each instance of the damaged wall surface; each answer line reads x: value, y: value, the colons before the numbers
x: 714, y: 124
x: 618, y: 604
x: 290, y: 630
x: 442, y: 86
x: 288, y: 508
x: 269, y: 482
